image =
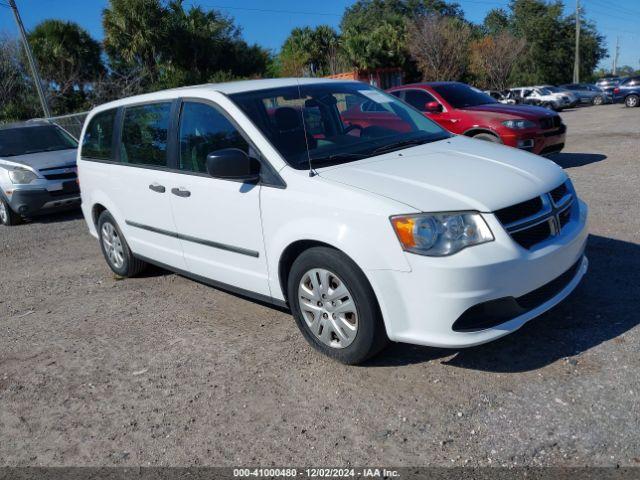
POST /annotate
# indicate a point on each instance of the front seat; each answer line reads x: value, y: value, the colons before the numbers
x: 291, y: 136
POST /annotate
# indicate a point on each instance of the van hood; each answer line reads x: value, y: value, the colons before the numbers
x: 38, y: 161
x: 458, y: 173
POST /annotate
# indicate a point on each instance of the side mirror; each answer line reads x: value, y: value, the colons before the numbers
x: 432, y: 107
x: 233, y: 164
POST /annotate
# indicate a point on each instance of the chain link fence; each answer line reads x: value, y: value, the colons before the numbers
x: 71, y: 123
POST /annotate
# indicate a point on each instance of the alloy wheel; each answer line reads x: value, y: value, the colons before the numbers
x: 112, y: 245
x: 632, y: 101
x: 328, y: 308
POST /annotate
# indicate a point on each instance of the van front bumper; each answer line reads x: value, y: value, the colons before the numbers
x: 483, y: 292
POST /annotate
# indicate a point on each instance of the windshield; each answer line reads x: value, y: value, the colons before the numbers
x: 26, y: 140
x: 335, y: 122
x: 555, y: 89
x: 459, y: 95
x: 544, y: 91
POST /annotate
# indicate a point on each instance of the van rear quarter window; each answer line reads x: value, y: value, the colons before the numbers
x: 97, y: 141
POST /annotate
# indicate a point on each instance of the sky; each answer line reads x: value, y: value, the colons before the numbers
x: 268, y: 23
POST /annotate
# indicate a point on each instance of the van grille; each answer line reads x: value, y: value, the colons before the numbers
x: 538, y: 219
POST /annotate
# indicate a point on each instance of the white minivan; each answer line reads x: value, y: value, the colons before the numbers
x: 338, y: 201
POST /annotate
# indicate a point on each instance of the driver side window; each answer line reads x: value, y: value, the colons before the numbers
x: 203, y: 130
x: 418, y: 99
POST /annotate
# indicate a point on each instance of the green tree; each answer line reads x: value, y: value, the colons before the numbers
x: 496, y: 21
x: 18, y: 100
x: 312, y: 52
x: 550, y: 37
x: 69, y: 61
x: 374, y: 31
x: 136, y: 34
x: 172, y: 46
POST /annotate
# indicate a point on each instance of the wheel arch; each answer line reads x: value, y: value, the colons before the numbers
x: 476, y: 130
x: 291, y: 253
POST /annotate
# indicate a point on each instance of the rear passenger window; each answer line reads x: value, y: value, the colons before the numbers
x: 204, y: 130
x: 97, y: 141
x: 145, y: 134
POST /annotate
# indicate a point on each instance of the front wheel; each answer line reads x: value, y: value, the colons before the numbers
x: 7, y: 216
x: 597, y: 100
x: 632, y: 101
x: 115, y: 249
x: 335, y: 307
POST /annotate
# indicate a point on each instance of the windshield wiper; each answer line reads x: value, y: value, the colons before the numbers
x: 336, y: 157
x: 400, y: 145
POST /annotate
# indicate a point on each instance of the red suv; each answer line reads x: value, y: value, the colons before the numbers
x: 465, y: 110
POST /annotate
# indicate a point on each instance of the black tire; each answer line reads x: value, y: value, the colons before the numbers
x: 371, y: 336
x: 10, y: 218
x: 632, y: 101
x: 597, y: 100
x: 131, y: 266
x: 487, y: 137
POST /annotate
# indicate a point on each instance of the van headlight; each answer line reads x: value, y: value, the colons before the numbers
x: 440, y: 234
x: 21, y: 175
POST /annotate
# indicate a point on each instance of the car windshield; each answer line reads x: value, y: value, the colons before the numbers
x: 555, y: 89
x: 459, y: 95
x: 25, y: 140
x: 335, y: 122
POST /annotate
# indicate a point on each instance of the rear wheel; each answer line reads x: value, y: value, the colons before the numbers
x: 335, y: 307
x: 115, y: 249
x: 632, y: 101
x: 487, y: 137
x: 597, y: 100
x: 7, y: 216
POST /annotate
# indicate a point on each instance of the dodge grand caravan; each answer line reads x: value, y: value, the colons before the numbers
x: 395, y: 231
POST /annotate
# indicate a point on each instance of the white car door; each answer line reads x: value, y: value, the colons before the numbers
x: 140, y: 185
x: 218, y: 221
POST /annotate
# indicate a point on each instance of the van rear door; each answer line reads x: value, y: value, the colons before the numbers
x: 141, y: 183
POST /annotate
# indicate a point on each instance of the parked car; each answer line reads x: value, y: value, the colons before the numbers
x: 628, y: 92
x: 574, y: 100
x: 542, y: 96
x: 588, y: 94
x: 608, y: 83
x: 464, y: 110
x: 37, y: 171
x: 367, y: 233
x: 501, y: 97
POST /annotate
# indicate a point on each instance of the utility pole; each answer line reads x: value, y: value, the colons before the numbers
x: 615, y: 57
x: 32, y: 61
x: 576, y: 64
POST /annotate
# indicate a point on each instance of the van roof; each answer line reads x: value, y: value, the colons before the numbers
x: 226, y: 88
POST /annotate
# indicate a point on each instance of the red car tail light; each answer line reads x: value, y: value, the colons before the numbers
x: 616, y: 90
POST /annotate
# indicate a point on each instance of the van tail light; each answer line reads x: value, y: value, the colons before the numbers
x: 616, y: 90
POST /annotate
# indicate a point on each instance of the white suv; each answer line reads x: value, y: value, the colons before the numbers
x: 382, y: 227
x: 542, y: 96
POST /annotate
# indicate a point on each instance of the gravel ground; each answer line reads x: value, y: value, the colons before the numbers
x: 161, y: 370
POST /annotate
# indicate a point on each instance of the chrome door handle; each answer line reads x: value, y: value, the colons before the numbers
x: 181, y: 192
x: 157, y: 188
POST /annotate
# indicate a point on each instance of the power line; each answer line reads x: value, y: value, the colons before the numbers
x: 266, y: 10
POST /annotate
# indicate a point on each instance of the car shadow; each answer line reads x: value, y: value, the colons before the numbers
x: 62, y: 216
x: 571, y: 160
x: 603, y: 307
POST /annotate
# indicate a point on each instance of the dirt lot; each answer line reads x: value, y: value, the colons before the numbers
x: 161, y: 370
